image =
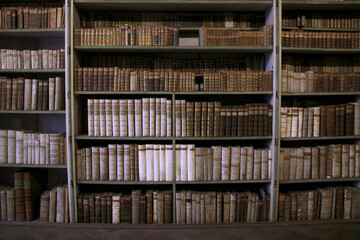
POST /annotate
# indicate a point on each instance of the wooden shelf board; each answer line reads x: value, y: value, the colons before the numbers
x: 86, y: 137
x: 321, y: 94
x: 221, y: 182
x: 320, y: 180
x: 174, y: 49
x: 8, y: 165
x: 32, y: 71
x: 124, y: 182
x: 316, y: 5
x: 33, y: 33
x: 319, y: 138
x: 223, y: 138
x: 31, y: 112
x: 174, y: 5
x: 322, y: 29
x: 320, y: 50
x: 169, y: 93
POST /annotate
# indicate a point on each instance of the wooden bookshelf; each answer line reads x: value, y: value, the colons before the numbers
x: 323, y: 180
x: 322, y: 29
x: 314, y: 94
x: 32, y: 166
x: 320, y: 50
x: 320, y: 138
x: 31, y: 112
x: 32, y: 33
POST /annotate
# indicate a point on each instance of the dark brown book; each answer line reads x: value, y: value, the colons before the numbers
x: 86, y: 208
x: 168, y: 207
x: 250, y: 125
x: 125, y: 208
x: 190, y: 119
x: 330, y: 120
x: 80, y: 208
x: 103, y: 207
x: 240, y: 121
x: 94, y: 208
x: 337, y: 120
x: 19, y: 196
x: 149, y: 206
x: 109, y: 208
x: 256, y: 120
x: 28, y: 196
x: 323, y: 114
x: 349, y: 120
x: 228, y: 121
x: 339, y: 202
x: 222, y: 130
x: 197, y: 119
x: 142, y: 208
x: 20, y: 94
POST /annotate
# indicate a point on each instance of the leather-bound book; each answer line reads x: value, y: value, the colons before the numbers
x: 125, y: 209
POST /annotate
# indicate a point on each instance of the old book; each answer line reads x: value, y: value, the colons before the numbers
x: 19, y: 196
x: 135, y: 195
x: 60, y: 204
x: 125, y: 209
x: 149, y: 206
x: 116, y: 208
x: 235, y: 163
x: 44, y: 207
x: 168, y: 207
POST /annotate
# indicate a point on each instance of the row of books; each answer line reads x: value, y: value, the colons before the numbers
x: 126, y: 162
x: 32, y: 59
x: 17, y: 203
x: 321, y: 19
x: 320, y: 162
x: 245, y: 62
x: 32, y: 94
x: 153, y: 206
x: 178, y: 19
x: 54, y: 205
x: 40, y: 16
x: 198, y: 207
x: 320, y: 204
x: 127, y: 36
x: 221, y: 163
x: 148, y: 117
x: 115, y: 79
x: 312, y: 39
x: 319, y: 82
x: 320, y: 121
x: 24, y: 147
x: 321, y: 63
x: 201, y: 119
x: 235, y: 37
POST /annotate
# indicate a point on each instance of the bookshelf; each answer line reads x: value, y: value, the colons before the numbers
x: 35, y: 122
x: 74, y: 119
x: 312, y: 182
x: 184, y: 52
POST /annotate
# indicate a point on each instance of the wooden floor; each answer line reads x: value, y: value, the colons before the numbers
x: 289, y: 231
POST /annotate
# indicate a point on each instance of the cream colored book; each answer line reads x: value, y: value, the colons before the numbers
x: 96, y: 117
x: 126, y: 118
x: 120, y: 162
x: 156, y: 160
x: 257, y: 164
x: 127, y: 164
x: 108, y: 118
x: 54, y: 149
x: 95, y: 160
x: 283, y: 120
x: 34, y: 94
x: 11, y: 144
x: 142, y: 162
x: 316, y: 126
x: 178, y: 162
x: 294, y: 121
x: 149, y: 162
x: 138, y: 117
x: 88, y: 164
x: 299, y: 163
x: 102, y: 117
x: 145, y: 117
x: 184, y: 163
x: 115, y: 117
x: 357, y: 160
x: 345, y: 152
x: 199, y: 164
x: 226, y: 207
x: 315, y: 163
x: 19, y: 147
x: 249, y: 163
x: 163, y: 117
x: 243, y: 163
x: 90, y: 105
x: 169, y: 163
x: 152, y: 117
x: 162, y: 163
x: 104, y: 163
x: 3, y: 146
x: 158, y: 117
x: 300, y: 122
x: 52, y: 93
x: 235, y: 163
x: 168, y: 118
x: 27, y: 94
x: 265, y: 153
x: 352, y: 150
x: 307, y: 162
x: 116, y: 208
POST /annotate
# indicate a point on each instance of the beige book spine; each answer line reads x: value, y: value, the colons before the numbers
x: 345, y: 152
x: 90, y: 105
x: 3, y: 146
x: 126, y: 118
x: 169, y: 162
x: 168, y: 118
x: 348, y: 195
x: 102, y: 118
x: 54, y: 149
x: 235, y: 163
x: 184, y: 163
x: 127, y: 164
x: 336, y: 161
x: 257, y: 164
x: 52, y: 205
x: 299, y: 163
x: 152, y: 121
x: 108, y: 118
x: 265, y: 153
x: 59, y: 103
x: 316, y: 126
x: 193, y: 163
x: 149, y: 162
x: 178, y: 162
x: 162, y: 163
x: 142, y: 162
x: 52, y: 93
x: 315, y: 163
x: 120, y: 162
x: 243, y: 163
x: 156, y: 160
x: 60, y: 204
x: 163, y: 119
x: 145, y: 117
x: 96, y: 117
x: 352, y: 150
x: 34, y: 94
x: 116, y: 208
x: 19, y: 147
x: 88, y: 164
x: 115, y: 111
x: 217, y: 154
x: 249, y: 163
x: 104, y: 163
x: 95, y: 163
x: 138, y: 117
x: 158, y: 123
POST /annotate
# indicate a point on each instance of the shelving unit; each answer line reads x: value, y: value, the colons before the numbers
x: 50, y: 176
x: 73, y: 119
x: 79, y: 119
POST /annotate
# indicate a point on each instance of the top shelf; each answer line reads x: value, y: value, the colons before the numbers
x: 325, y: 5
x: 33, y: 33
x: 174, y: 5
